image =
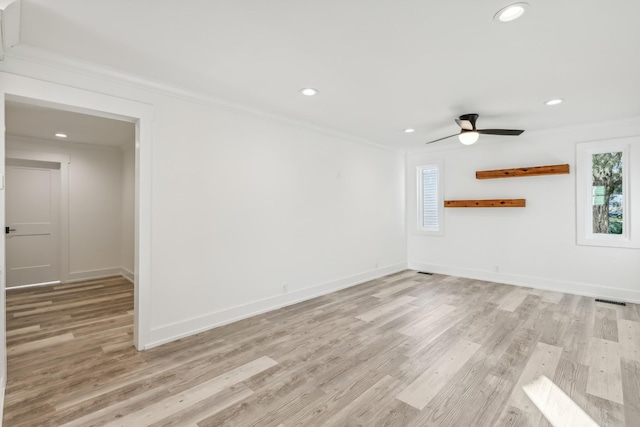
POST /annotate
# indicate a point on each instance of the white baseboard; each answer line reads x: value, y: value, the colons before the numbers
x: 2, y: 389
x: 79, y: 276
x: 168, y: 333
x: 576, y: 288
x: 127, y: 274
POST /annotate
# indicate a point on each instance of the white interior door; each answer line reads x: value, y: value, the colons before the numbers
x: 32, y: 203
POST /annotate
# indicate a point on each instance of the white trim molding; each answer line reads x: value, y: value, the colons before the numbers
x: 172, y: 332
x: 630, y: 149
x: 44, y: 93
x: 575, y: 288
x: 3, y: 386
x: 127, y: 274
x: 102, y: 273
x: 34, y: 55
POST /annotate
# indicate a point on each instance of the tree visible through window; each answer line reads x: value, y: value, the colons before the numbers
x: 605, y: 171
x: 607, y: 180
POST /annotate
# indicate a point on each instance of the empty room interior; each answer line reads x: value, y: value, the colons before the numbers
x: 337, y: 213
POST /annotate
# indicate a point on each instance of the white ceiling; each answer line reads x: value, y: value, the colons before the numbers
x: 380, y: 65
x: 42, y: 123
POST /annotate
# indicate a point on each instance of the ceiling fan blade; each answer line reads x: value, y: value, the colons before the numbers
x: 465, y: 124
x: 440, y: 139
x: 507, y: 132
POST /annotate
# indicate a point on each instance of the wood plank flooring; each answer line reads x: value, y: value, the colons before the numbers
x: 405, y: 350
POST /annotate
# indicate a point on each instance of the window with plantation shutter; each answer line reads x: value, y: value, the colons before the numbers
x: 430, y: 200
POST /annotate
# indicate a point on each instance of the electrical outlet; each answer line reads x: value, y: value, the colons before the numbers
x: 377, y: 265
x: 285, y: 287
x: 496, y: 268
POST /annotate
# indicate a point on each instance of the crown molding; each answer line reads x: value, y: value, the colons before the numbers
x: 73, y: 145
x: 43, y: 58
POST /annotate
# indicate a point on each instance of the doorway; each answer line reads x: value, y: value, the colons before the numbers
x: 36, y: 92
x: 94, y: 236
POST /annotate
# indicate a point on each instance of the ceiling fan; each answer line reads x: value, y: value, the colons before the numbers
x: 469, y: 134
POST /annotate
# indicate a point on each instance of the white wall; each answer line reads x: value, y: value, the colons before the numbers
x: 95, y: 204
x: 242, y: 206
x: 243, y: 203
x: 533, y: 246
x: 127, y: 256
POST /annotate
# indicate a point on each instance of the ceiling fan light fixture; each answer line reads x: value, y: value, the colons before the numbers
x: 511, y: 12
x: 469, y: 134
x: 469, y: 137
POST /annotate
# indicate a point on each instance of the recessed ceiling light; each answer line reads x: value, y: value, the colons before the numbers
x: 409, y: 130
x: 309, y: 91
x: 60, y: 135
x: 511, y: 12
x: 554, y: 101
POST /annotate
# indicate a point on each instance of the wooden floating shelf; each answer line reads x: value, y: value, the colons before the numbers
x: 497, y: 203
x: 517, y: 172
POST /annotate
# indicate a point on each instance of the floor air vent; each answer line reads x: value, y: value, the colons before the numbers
x: 424, y: 272
x: 611, y: 302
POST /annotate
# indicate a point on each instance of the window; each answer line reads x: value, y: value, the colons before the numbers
x: 607, y: 193
x: 603, y: 199
x: 430, y: 199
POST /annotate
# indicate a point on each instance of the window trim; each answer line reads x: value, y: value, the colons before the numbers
x: 420, y: 228
x: 584, y: 208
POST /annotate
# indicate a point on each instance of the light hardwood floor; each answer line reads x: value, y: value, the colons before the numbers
x: 405, y: 350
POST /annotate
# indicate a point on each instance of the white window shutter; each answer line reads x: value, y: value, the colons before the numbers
x: 430, y: 199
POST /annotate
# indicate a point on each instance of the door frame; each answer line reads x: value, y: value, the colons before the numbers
x: 63, y: 231
x: 43, y: 93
